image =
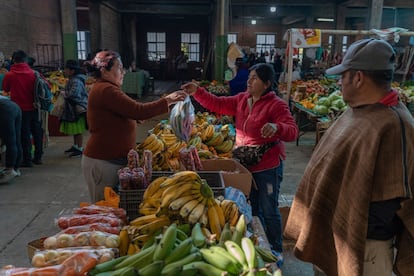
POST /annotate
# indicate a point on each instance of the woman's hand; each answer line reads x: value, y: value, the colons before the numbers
x: 175, y: 97
x: 189, y: 88
x: 268, y: 130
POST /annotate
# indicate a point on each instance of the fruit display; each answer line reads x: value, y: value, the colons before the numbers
x: 215, y: 87
x: 211, y: 140
x: 175, y: 250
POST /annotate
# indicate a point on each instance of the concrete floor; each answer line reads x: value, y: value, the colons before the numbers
x: 30, y: 203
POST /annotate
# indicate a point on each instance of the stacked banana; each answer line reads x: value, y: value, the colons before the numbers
x: 185, y: 198
x: 152, y: 143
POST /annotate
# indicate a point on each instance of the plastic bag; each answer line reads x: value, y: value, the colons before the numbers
x: 64, y: 222
x: 49, y: 257
x: 58, y: 106
x: 78, y: 264
x: 93, y: 238
x: 181, y: 119
x: 95, y: 209
x: 240, y: 199
x: 103, y: 227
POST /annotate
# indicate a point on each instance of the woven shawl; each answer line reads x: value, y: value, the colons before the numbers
x: 358, y: 160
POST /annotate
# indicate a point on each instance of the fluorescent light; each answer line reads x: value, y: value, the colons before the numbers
x: 325, y: 19
x: 253, y: 22
x: 272, y: 9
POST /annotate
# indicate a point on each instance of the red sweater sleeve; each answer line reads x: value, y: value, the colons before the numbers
x: 221, y: 105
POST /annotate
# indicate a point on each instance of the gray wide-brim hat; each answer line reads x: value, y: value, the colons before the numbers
x: 366, y: 54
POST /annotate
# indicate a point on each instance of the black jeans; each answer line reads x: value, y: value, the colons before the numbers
x: 10, y: 127
x: 32, y: 128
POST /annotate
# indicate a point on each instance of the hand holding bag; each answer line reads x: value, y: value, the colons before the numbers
x: 58, y: 106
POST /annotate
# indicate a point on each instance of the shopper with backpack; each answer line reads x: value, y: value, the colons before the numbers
x: 19, y: 82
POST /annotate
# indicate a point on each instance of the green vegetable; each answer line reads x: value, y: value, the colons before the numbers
x: 324, y: 101
x: 321, y: 109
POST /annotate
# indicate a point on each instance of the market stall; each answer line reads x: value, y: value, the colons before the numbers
x: 316, y: 103
x: 309, y: 38
x: 166, y: 218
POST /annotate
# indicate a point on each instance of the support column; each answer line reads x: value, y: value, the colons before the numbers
x: 220, y: 52
x: 95, y: 25
x: 69, y: 28
x: 340, y: 25
x: 375, y: 14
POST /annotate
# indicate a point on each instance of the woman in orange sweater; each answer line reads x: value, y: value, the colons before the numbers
x: 112, y: 120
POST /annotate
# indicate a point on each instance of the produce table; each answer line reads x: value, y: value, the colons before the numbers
x: 307, y: 120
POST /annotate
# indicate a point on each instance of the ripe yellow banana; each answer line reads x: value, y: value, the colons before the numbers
x: 154, y: 225
x: 123, y: 242
x: 182, y: 176
x: 196, y: 213
x: 203, y: 220
x: 188, y: 207
x: 214, y: 221
x: 148, y: 140
x: 153, y: 186
x: 179, y: 202
x: 143, y: 220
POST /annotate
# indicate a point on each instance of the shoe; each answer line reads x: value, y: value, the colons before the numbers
x: 8, y: 175
x: 71, y: 149
x: 26, y: 165
x: 279, y: 257
x: 37, y: 161
x: 18, y: 172
x: 76, y: 153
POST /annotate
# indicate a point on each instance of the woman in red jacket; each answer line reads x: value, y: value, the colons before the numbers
x: 263, y: 123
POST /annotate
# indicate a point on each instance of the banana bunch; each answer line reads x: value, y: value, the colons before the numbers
x: 162, y: 127
x: 205, y: 154
x: 175, y: 148
x: 195, y: 141
x: 185, y: 197
x: 207, y: 132
x: 169, y: 139
x: 225, y: 146
x: 230, y: 210
x: 152, y: 143
x: 143, y: 228
x: 215, y: 140
x: 216, y: 218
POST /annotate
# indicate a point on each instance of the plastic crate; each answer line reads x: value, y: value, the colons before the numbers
x: 131, y: 199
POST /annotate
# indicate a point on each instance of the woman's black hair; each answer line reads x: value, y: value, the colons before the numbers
x: 266, y: 73
x: 103, y: 59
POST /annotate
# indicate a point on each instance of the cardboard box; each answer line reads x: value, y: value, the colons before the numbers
x: 234, y: 174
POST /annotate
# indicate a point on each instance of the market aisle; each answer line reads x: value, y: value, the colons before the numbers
x: 31, y: 202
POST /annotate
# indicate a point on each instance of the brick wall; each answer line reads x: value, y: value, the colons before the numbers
x: 27, y: 24
x: 109, y: 28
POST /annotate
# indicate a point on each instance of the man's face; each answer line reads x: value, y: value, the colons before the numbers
x: 347, y: 86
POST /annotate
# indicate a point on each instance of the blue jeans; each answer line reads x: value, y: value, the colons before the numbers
x: 10, y: 127
x: 265, y: 205
x: 31, y: 127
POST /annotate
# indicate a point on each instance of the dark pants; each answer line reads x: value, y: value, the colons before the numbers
x: 10, y: 126
x: 32, y: 128
x: 265, y: 205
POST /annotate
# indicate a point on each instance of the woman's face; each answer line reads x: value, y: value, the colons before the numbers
x: 116, y: 74
x: 255, y: 86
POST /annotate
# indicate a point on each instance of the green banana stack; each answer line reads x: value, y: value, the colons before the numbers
x: 179, y: 252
